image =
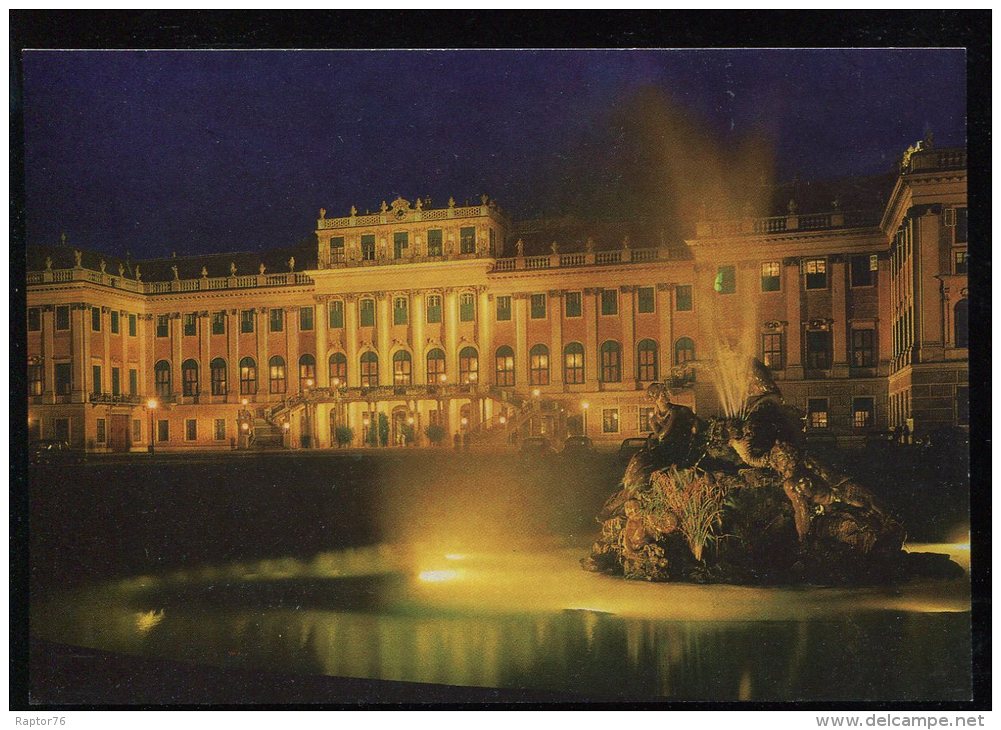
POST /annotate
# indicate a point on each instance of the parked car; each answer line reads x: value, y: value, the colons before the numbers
x: 53, y: 451
x: 578, y: 446
x: 629, y: 447
x: 536, y: 446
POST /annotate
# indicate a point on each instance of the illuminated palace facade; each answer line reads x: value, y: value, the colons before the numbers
x: 416, y: 323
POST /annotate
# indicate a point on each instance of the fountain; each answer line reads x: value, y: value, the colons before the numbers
x: 738, y: 499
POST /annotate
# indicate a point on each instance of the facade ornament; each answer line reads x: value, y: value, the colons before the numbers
x: 291, y: 263
x: 554, y: 247
x: 232, y: 268
x: 139, y: 274
x: 323, y: 213
x: 519, y: 247
x: 48, y: 263
x: 484, y: 199
x: 174, y: 269
x: 62, y: 237
x: 77, y: 255
x: 419, y: 205
x: 928, y: 143
x: 625, y: 243
x: 383, y: 208
x: 261, y: 269
x: 104, y: 266
x: 589, y: 246
x: 836, y: 203
x: 354, y: 211
x: 205, y: 273
x: 121, y: 269
x: 451, y: 202
x: 792, y: 207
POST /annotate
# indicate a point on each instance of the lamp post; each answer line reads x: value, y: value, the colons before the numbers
x: 151, y: 405
x: 584, y: 406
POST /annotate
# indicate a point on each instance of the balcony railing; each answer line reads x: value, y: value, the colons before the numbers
x: 576, y: 259
x: 944, y: 159
x: 292, y: 278
x: 786, y: 224
x: 113, y: 400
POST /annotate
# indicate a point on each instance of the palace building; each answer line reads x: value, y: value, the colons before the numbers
x: 416, y: 323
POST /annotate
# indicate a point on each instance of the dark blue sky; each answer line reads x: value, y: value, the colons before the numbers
x: 153, y: 152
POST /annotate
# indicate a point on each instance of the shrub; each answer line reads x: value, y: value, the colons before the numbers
x: 383, y: 429
x: 344, y: 435
x: 435, y: 434
x: 696, y: 499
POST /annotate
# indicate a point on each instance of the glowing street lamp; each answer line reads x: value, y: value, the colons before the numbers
x: 151, y: 405
x: 584, y: 406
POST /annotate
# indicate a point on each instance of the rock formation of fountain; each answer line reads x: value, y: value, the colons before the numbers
x: 738, y: 499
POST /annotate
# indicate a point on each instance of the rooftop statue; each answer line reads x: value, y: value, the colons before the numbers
x: 78, y: 257
x: 232, y: 268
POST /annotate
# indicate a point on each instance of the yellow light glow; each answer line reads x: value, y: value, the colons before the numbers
x: 286, y: 425
x: 337, y: 382
x: 438, y: 576
x: 245, y: 426
x: 410, y: 420
x: 151, y: 403
x: 309, y: 382
x: 465, y: 421
x: 443, y: 377
x: 455, y: 556
x: 536, y: 392
x: 146, y: 621
x: 244, y: 402
x: 502, y: 419
x: 585, y: 405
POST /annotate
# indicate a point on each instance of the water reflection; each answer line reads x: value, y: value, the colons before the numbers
x: 348, y: 615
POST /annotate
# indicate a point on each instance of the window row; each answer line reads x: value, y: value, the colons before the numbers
x: 863, y: 413
x: 401, y: 244
x: 818, y: 349
x: 863, y: 273
x: 117, y: 321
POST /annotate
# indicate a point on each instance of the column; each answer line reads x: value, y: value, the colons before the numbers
x: 589, y: 305
x: 555, y: 311
x: 320, y: 322
x: 233, y: 356
x: 204, y: 324
x: 382, y: 303
x: 484, y: 337
x: 627, y: 316
x: 48, y: 351
x: 80, y: 343
x: 351, y: 343
x: 520, y: 339
x: 106, y: 344
x: 665, y: 326
x: 176, y: 333
x: 145, y: 368
x: 794, y: 332
x: 451, y: 315
x: 263, y: 372
x: 292, y: 349
x: 839, y: 309
x: 417, y: 317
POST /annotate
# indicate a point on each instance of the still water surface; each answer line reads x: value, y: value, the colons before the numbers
x: 533, y: 620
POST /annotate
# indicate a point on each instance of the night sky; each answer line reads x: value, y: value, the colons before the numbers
x: 200, y: 152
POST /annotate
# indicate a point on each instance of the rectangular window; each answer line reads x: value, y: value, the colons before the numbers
x: 218, y: 323
x: 538, y: 306
x: 863, y: 410
x: 102, y: 431
x: 114, y: 322
x: 863, y: 348
x: 434, y: 309
x: 771, y: 351
x: 190, y: 429
x: 401, y: 313
x: 962, y: 223
x: 368, y: 247
x: 503, y: 309
x: 771, y: 276
x: 609, y: 301
x: 816, y: 273
x: 961, y: 266
x: 116, y: 381
x: 366, y: 312
x: 609, y: 420
x: 336, y: 314
x: 305, y: 319
x: 95, y: 319
x: 467, y: 308
x: 137, y: 430
x: 726, y: 280
x: 34, y: 319
x: 434, y: 242
x: 862, y: 272
x: 644, y: 300
x: 818, y: 350
x: 62, y: 318
x: 573, y: 302
x: 816, y: 411
x: 62, y: 429
x: 219, y: 432
x: 190, y: 324
x: 162, y: 325
x: 132, y: 325
x: 64, y: 378
x: 133, y: 381
x: 337, y: 250
x: 246, y: 321
x: 36, y: 379
x: 467, y: 240
x: 400, y: 244
x: 96, y: 375
x: 276, y: 318
x: 683, y: 298
x: 645, y: 414
x: 163, y: 430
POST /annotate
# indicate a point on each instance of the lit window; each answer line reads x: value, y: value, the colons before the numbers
x: 504, y: 370
x: 863, y: 348
x: 435, y: 365
x: 307, y: 371
x: 961, y: 262
x: 772, y: 355
x: 538, y: 365
x: 684, y: 350
x: 369, y: 369
x: 400, y: 244
x: 402, y: 368
x: 646, y: 361
x: 337, y: 250
x: 573, y: 364
x: 189, y: 377
x: 816, y: 409
x: 36, y: 379
x: 248, y: 376
x: 338, y: 369
x: 434, y: 242
x: 276, y: 374
x: 611, y: 362
x: 610, y: 420
x: 771, y: 276
x: 161, y: 376
x: 816, y: 273
x: 862, y: 412
x: 368, y: 247
x: 645, y: 415
x: 469, y: 365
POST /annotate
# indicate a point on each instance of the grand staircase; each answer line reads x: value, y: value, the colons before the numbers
x: 267, y: 436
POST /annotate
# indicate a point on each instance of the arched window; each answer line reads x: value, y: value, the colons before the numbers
x: 403, y: 371
x: 961, y: 321
x: 469, y: 365
x: 504, y: 370
x: 161, y: 373
x: 217, y: 370
x: 189, y: 377
x: 307, y: 372
x: 248, y: 376
x: 338, y: 370
x: 436, y: 365
x: 611, y: 362
x: 369, y: 369
x: 573, y: 364
x: 538, y: 365
x: 646, y: 361
x: 276, y: 376
x: 684, y: 350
